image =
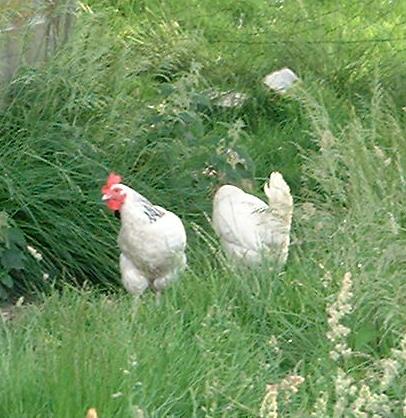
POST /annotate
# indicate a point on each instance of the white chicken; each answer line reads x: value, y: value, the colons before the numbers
x: 152, y: 239
x: 248, y: 228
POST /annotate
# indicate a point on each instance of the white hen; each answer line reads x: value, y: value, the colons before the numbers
x: 152, y: 239
x: 248, y: 228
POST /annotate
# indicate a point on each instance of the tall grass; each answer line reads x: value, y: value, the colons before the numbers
x: 131, y: 93
x: 221, y: 334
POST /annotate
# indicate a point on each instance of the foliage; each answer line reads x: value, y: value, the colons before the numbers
x: 17, y: 258
x: 134, y: 92
x: 12, y: 257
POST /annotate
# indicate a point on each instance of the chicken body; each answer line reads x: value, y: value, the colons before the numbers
x: 152, y: 241
x: 250, y: 229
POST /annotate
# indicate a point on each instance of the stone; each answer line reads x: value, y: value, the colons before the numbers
x: 280, y: 81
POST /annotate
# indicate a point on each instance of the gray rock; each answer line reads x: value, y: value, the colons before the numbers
x: 228, y: 98
x: 280, y: 81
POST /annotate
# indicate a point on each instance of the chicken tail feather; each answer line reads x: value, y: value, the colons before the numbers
x: 278, y: 192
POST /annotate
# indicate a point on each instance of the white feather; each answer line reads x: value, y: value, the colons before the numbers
x: 250, y: 229
x: 152, y: 242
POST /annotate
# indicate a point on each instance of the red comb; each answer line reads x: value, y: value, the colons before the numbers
x: 112, y: 179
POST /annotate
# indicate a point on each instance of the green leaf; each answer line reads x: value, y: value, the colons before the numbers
x: 3, y: 292
x: 6, y: 279
x: 187, y: 117
x: 201, y: 99
x: 156, y: 119
x: 16, y: 236
x: 3, y: 219
x: 167, y: 89
x: 12, y: 258
x: 3, y: 234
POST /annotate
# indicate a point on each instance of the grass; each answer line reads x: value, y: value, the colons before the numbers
x: 206, y: 348
x: 130, y: 92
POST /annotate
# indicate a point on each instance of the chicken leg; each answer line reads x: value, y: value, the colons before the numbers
x: 133, y: 280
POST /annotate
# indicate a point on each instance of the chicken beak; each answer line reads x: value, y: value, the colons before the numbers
x: 106, y: 197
